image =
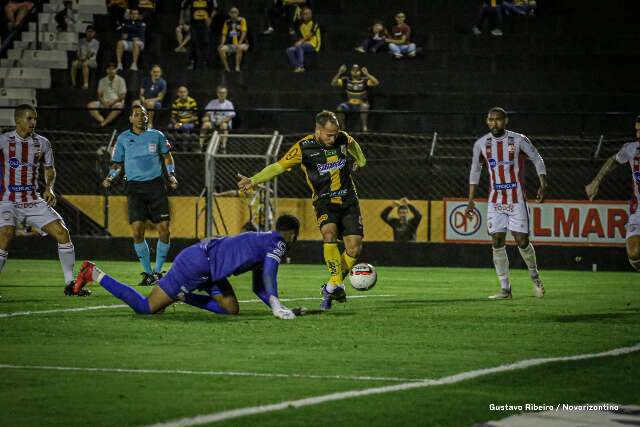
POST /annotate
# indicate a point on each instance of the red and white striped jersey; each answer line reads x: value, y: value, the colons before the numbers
x: 630, y: 153
x: 505, y: 158
x: 20, y: 159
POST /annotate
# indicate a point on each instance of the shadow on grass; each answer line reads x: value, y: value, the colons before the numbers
x: 596, y: 317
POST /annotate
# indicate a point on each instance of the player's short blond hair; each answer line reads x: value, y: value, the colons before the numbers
x: 325, y: 116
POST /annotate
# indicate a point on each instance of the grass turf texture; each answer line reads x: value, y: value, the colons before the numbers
x: 437, y: 323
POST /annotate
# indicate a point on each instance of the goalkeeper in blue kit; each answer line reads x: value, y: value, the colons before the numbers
x: 205, y: 266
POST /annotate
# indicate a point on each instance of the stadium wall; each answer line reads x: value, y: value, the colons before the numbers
x: 376, y: 253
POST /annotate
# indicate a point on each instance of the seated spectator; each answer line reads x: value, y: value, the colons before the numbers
x: 183, y: 111
x: 15, y: 11
x: 87, y: 55
x: 404, y: 228
x: 356, y: 85
x: 117, y: 10
x: 490, y: 11
x: 152, y: 92
x: 133, y: 36
x: 309, y: 40
x: 202, y: 14
x: 234, y: 38
x: 282, y: 10
x: 519, y: 7
x: 400, y: 40
x: 67, y: 17
x: 112, y: 91
x: 219, y: 115
x: 378, y: 35
x: 183, y: 35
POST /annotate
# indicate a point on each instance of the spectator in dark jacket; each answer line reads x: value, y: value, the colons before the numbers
x: 376, y: 40
x: 133, y: 34
x: 404, y: 228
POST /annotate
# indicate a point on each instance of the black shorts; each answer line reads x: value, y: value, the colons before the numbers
x: 148, y: 200
x: 345, y: 215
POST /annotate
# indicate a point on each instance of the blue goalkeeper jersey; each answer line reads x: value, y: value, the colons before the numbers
x: 141, y: 154
x: 230, y: 256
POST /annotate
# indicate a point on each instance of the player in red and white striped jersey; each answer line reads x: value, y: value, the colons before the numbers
x: 504, y: 152
x: 21, y: 153
x: 629, y: 153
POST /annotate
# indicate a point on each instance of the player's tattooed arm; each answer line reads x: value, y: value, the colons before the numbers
x: 593, y: 187
x: 49, y: 178
x: 114, y: 172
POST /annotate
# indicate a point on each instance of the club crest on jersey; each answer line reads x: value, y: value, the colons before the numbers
x: 329, y: 153
x: 493, y: 163
x: 15, y: 163
x: 511, y: 148
x: 331, y: 166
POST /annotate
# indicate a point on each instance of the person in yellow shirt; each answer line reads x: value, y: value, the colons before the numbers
x: 184, y: 113
x: 234, y: 38
x: 309, y: 41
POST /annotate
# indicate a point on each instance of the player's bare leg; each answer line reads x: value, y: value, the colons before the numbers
x: 73, y: 70
x: 529, y: 256
x: 119, y: 53
x: 501, y: 263
x: 66, y: 251
x: 85, y: 74
x: 158, y: 300
x: 224, y: 131
x: 334, y: 288
x: 144, y: 254
x: 353, y: 249
x: 239, y: 53
x: 6, y: 236
x: 135, y: 53
x: 633, y: 251
x: 111, y: 116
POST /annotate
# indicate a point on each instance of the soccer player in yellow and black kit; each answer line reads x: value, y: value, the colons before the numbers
x: 324, y: 159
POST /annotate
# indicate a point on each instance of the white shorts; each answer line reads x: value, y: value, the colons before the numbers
x: 509, y: 216
x: 128, y: 44
x: 36, y: 214
x: 633, y: 226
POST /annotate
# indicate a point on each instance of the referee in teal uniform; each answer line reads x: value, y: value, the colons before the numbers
x: 141, y: 151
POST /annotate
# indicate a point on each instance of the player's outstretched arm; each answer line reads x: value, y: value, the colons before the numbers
x: 292, y: 158
x: 265, y: 286
x: 593, y: 187
x: 50, y: 178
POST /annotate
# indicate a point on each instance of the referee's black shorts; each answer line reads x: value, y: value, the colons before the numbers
x: 148, y: 200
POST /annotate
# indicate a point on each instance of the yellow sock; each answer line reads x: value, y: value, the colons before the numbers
x: 346, y: 262
x: 332, y: 259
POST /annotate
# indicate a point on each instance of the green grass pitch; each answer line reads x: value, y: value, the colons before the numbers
x: 416, y: 323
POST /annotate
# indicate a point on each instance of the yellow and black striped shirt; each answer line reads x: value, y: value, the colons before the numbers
x: 183, y: 110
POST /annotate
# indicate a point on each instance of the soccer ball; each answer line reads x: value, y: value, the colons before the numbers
x: 363, y: 277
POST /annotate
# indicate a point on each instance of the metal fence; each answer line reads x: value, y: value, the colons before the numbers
x: 423, y: 168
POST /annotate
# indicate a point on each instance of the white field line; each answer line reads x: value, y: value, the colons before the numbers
x: 205, y: 373
x: 453, y: 379
x: 101, y: 307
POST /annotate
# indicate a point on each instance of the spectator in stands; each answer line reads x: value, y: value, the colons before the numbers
x: 112, y: 91
x: 183, y: 111
x: 400, y: 40
x: 356, y: 85
x: 490, y: 11
x: 202, y: 14
x: 152, y: 92
x: 183, y: 30
x: 87, y: 55
x: 133, y: 36
x: 519, y: 7
x: 279, y: 10
x: 15, y: 11
x: 404, y: 227
x: 219, y: 115
x: 67, y: 17
x: 234, y: 38
x: 309, y: 40
x: 117, y: 10
x: 377, y: 39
